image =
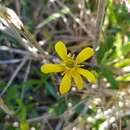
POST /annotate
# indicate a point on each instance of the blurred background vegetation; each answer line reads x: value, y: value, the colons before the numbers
x: 29, y: 99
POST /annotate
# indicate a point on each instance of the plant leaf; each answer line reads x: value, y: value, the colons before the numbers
x: 107, y: 73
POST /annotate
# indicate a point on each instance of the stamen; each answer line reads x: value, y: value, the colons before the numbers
x: 70, y: 63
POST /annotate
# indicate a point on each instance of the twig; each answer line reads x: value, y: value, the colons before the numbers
x: 49, y: 125
x: 13, y: 26
x: 25, y: 78
x: 43, y: 118
x: 13, y: 61
x: 13, y: 76
x: 18, y: 6
x: 99, y: 20
x: 19, y: 51
x: 14, y: 50
x: 77, y: 20
x: 59, y: 125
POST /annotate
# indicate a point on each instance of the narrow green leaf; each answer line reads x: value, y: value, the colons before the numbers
x: 51, y: 90
x: 55, y: 16
x: 103, y: 51
x: 107, y: 73
x: 122, y: 63
x: 61, y: 107
x: 125, y: 77
x: 22, y: 112
x: 126, y: 49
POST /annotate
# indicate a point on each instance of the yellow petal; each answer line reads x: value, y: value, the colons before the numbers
x: 78, y: 80
x: 49, y: 68
x: 87, y: 74
x: 61, y: 50
x: 65, y: 84
x: 84, y: 55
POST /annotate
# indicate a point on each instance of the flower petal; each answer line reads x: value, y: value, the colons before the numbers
x: 84, y: 55
x: 78, y: 80
x: 65, y: 84
x: 49, y: 68
x: 87, y: 74
x: 61, y: 50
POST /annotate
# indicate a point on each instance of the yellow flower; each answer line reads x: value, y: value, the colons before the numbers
x: 70, y: 67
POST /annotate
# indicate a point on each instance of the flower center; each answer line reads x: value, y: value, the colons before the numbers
x: 70, y: 63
